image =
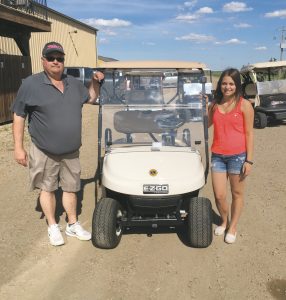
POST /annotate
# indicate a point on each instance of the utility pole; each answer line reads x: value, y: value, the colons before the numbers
x: 282, y: 42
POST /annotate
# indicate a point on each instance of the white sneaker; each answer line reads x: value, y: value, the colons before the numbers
x: 55, y: 236
x: 76, y: 230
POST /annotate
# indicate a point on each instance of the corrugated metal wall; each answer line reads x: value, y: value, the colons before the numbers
x: 80, y: 47
x: 8, y: 46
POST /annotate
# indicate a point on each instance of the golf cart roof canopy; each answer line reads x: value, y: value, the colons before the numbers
x: 263, y: 65
x: 148, y: 64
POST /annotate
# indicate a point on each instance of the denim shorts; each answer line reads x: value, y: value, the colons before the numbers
x: 231, y: 164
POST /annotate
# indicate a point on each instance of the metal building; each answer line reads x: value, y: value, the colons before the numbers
x: 77, y: 38
x: 25, y: 27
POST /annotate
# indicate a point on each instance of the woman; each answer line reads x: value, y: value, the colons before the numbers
x: 232, y: 149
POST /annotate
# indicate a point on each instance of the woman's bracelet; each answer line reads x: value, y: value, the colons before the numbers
x: 249, y: 162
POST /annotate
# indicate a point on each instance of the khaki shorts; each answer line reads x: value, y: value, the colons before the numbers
x: 48, y: 172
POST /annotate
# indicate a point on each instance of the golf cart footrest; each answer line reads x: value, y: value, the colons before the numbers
x: 152, y: 222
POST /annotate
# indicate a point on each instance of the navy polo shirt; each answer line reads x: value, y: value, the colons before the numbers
x: 54, y: 117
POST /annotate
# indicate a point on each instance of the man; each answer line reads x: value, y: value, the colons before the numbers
x: 53, y: 103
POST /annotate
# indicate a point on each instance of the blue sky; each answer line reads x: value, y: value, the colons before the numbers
x: 219, y: 33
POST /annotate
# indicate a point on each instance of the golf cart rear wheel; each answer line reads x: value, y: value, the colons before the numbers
x: 260, y: 120
x: 106, y: 224
x: 200, y: 222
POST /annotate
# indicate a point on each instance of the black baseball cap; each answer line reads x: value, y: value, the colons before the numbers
x: 52, y: 47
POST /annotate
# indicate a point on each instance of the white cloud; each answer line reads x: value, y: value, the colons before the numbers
x: 276, y: 14
x: 197, y: 38
x: 191, y: 18
x: 261, y: 48
x: 205, y: 10
x: 190, y: 3
x: 242, y: 25
x: 187, y: 18
x: 106, y: 23
x: 109, y: 32
x: 103, y: 41
x: 148, y: 43
x: 236, y: 7
x: 233, y: 41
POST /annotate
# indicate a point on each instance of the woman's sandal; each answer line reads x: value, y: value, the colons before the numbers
x: 230, y: 238
x: 219, y: 230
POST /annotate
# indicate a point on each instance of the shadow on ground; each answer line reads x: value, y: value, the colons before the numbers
x: 181, y: 231
x: 59, y: 205
x: 277, y: 288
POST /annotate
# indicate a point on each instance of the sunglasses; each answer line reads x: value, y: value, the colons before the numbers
x: 53, y: 58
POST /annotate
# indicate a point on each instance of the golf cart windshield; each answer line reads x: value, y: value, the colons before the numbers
x: 269, y: 77
x: 271, y: 80
x: 153, y: 107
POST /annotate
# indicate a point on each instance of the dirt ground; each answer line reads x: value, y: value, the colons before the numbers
x: 142, y: 267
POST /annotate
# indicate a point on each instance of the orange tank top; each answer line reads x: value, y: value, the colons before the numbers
x: 229, y: 133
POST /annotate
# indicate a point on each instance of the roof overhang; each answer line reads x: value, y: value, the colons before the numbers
x: 152, y: 64
x: 263, y: 65
x: 13, y: 21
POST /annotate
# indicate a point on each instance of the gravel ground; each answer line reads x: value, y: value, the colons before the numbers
x: 142, y: 267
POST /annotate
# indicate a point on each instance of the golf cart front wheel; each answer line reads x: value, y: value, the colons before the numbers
x: 260, y: 120
x: 106, y: 224
x: 200, y: 222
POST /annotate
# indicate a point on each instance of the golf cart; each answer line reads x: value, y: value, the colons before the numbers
x: 265, y: 86
x: 152, y: 152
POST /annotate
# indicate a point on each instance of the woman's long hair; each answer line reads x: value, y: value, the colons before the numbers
x: 235, y: 75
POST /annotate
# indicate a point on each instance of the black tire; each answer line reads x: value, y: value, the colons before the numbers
x: 106, y: 225
x: 260, y: 120
x: 200, y: 222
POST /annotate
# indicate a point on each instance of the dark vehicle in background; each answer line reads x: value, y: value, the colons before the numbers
x: 83, y: 74
x: 264, y: 84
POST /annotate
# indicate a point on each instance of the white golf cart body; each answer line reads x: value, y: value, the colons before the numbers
x: 124, y: 170
x: 153, y: 148
x: 265, y: 86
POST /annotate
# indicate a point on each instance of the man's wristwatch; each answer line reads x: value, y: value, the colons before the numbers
x: 249, y: 162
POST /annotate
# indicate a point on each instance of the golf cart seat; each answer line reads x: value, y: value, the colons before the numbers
x: 150, y: 96
x: 250, y: 90
x: 146, y: 121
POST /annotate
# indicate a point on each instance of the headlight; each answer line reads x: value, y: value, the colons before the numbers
x: 276, y: 102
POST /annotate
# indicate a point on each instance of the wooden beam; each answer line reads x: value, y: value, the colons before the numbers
x: 22, y: 41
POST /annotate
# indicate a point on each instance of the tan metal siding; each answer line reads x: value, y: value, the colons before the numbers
x: 8, y: 46
x: 80, y: 47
